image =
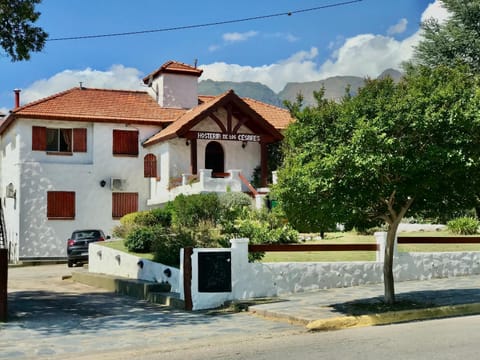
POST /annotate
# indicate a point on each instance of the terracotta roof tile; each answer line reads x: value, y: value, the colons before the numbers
x: 278, y: 117
x: 100, y: 105
x: 173, y: 67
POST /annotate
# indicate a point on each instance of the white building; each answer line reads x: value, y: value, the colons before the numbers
x: 83, y: 158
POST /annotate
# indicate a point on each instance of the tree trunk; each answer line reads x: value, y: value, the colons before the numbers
x: 388, y: 264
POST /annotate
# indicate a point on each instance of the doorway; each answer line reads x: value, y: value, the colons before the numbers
x: 215, y: 159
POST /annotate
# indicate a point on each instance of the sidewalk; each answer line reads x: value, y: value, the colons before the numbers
x: 323, y: 309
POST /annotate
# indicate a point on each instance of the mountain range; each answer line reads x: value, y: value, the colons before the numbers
x: 335, y: 88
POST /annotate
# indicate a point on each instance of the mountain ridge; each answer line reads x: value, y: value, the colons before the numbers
x: 334, y: 86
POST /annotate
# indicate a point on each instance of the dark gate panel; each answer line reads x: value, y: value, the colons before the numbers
x: 214, y: 272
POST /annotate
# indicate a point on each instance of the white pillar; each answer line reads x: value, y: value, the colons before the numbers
x: 240, y: 266
x: 259, y: 201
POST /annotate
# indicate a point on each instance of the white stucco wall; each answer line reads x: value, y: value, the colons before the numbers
x: 104, y: 260
x: 175, y: 90
x: 10, y: 174
x: 35, y: 173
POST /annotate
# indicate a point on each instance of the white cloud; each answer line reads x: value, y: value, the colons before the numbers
x: 398, y: 28
x: 117, y: 77
x: 236, y: 36
x: 435, y: 10
x: 361, y: 55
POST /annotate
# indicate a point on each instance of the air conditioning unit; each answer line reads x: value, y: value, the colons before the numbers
x: 117, y: 184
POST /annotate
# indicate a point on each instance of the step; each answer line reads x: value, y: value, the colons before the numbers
x: 139, y: 289
x: 169, y: 299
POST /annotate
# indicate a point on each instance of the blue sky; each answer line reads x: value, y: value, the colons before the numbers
x: 362, y: 38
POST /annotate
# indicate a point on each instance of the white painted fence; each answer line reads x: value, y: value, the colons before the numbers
x: 251, y: 280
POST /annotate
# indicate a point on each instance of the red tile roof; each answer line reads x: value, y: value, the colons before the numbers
x: 86, y: 104
x: 173, y: 67
x: 122, y: 106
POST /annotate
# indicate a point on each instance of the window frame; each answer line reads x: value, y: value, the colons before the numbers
x: 125, y: 142
x: 124, y: 203
x: 61, y: 205
x: 77, y: 138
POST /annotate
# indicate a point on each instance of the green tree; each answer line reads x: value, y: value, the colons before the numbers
x: 457, y: 40
x: 18, y: 36
x: 392, y: 148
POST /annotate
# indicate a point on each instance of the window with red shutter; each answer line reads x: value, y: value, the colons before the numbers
x: 59, y: 141
x: 125, y: 142
x: 39, y: 138
x: 60, y: 205
x: 150, y: 166
x: 123, y: 204
x: 80, y: 140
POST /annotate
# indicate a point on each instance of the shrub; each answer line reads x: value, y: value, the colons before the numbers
x: 463, y: 226
x: 232, y: 204
x: 188, y: 211
x: 140, y: 239
x: 166, y: 247
x: 263, y: 227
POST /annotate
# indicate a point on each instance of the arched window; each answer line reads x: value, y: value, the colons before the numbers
x: 215, y: 158
x: 150, y: 166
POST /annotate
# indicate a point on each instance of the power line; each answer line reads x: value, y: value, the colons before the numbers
x: 288, y: 13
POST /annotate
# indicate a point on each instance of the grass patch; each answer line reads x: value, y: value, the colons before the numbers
x: 339, y: 256
x: 119, y: 245
x: 354, y: 238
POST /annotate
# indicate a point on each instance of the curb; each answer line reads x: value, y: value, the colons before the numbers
x: 393, y: 317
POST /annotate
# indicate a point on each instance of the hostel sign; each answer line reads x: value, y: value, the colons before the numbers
x: 202, y: 135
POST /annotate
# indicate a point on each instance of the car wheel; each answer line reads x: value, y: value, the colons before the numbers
x: 70, y: 263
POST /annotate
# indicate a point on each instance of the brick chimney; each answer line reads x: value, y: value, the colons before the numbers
x: 17, y: 98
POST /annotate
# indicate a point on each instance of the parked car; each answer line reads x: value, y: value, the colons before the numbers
x: 77, y: 245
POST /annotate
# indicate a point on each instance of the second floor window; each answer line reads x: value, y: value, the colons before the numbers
x: 125, y: 142
x: 59, y: 140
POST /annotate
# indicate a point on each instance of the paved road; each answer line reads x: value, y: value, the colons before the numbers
x: 446, y: 339
x: 53, y: 318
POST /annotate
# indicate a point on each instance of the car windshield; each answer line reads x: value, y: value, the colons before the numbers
x: 86, y: 234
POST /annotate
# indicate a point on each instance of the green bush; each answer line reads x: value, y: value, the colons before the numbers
x: 232, y: 204
x: 188, y: 211
x: 464, y: 226
x: 140, y: 239
x: 166, y: 247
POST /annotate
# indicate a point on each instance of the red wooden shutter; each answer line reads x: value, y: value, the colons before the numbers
x: 124, y: 203
x: 80, y: 140
x: 125, y: 142
x: 61, y: 205
x: 39, y: 138
x: 150, y: 166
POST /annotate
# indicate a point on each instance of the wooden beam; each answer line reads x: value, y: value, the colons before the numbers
x: 193, y: 156
x: 187, y: 277
x: 311, y: 247
x: 263, y: 164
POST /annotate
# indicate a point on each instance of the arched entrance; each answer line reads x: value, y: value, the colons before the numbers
x: 215, y: 158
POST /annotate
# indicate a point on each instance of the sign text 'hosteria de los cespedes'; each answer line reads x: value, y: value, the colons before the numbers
x: 221, y: 136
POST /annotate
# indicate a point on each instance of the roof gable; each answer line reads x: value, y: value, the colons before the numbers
x: 229, y: 100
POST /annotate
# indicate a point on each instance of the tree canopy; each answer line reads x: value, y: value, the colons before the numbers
x: 457, y: 40
x: 18, y: 36
x: 392, y: 148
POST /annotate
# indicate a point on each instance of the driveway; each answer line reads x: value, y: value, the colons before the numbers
x: 54, y: 318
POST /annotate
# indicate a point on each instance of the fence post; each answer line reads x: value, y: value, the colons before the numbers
x: 187, y: 277
x: 381, y: 239
x: 3, y: 284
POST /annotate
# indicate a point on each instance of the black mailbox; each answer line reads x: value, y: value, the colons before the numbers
x: 214, y: 272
